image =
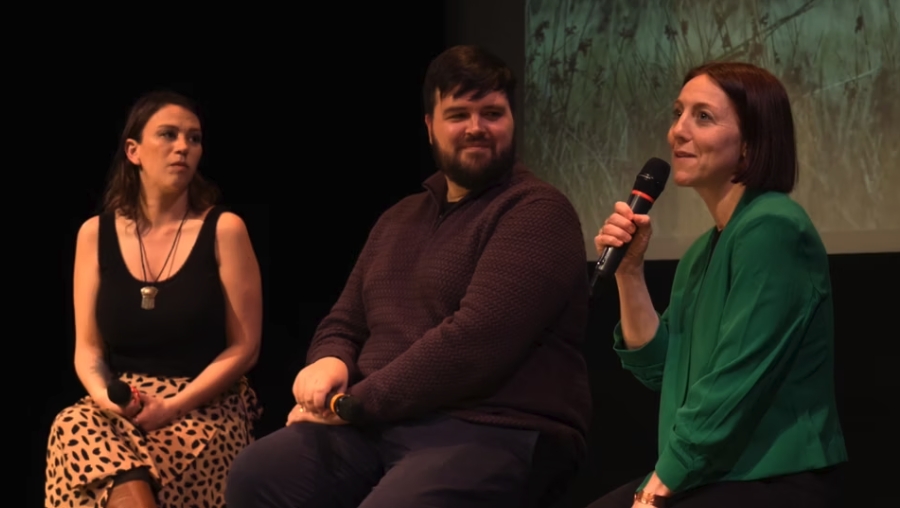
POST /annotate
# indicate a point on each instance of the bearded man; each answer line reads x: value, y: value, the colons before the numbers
x: 449, y: 372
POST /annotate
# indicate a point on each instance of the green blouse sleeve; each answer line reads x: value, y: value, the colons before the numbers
x: 772, y: 296
x: 647, y: 362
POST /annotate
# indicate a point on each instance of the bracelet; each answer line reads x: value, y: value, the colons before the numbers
x: 650, y: 499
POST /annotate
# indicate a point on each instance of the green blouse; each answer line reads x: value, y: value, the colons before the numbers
x: 744, y: 354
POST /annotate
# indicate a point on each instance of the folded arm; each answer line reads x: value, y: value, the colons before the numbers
x: 530, y: 268
x: 762, y: 326
x: 239, y: 273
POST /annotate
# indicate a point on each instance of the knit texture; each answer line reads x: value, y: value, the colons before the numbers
x: 477, y: 310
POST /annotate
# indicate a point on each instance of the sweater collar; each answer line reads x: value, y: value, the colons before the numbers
x: 436, y: 184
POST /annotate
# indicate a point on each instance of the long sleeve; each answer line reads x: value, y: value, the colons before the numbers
x: 773, y: 294
x: 647, y: 362
x: 342, y: 333
x: 527, y: 273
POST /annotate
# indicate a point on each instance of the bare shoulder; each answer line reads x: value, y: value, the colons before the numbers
x: 87, y: 245
x: 233, y: 240
x: 89, y: 232
x: 231, y: 227
x: 90, y: 227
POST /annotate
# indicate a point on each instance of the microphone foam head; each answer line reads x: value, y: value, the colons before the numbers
x: 119, y: 392
x: 349, y: 409
x: 653, y: 177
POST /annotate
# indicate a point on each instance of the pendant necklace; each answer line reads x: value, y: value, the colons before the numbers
x: 148, y: 292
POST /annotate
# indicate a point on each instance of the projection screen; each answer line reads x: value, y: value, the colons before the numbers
x: 601, y: 76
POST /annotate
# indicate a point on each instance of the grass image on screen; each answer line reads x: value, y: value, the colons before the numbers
x: 601, y: 76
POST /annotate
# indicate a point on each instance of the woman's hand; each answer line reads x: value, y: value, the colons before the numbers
x: 622, y: 227
x: 654, y: 486
x: 156, y: 413
x: 128, y: 412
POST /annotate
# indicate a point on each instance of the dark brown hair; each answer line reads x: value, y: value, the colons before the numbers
x: 466, y: 69
x: 124, y: 192
x: 766, y: 123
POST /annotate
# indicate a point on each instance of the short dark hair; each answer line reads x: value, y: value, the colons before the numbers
x: 124, y: 192
x: 766, y: 123
x: 465, y: 69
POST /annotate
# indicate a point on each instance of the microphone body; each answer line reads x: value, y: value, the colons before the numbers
x: 648, y: 185
x: 346, y: 407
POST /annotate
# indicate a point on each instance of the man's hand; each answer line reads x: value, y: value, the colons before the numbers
x: 300, y: 414
x: 313, y: 384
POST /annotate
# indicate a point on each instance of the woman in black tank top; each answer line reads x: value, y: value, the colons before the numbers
x: 168, y: 318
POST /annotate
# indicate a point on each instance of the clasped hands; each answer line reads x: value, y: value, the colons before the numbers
x: 311, y: 388
x: 149, y: 414
x: 156, y: 412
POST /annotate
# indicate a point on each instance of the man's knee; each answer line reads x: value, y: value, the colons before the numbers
x: 465, y: 475
x: 259, y: 472
x: 301, y: 465
x: 245, y: 474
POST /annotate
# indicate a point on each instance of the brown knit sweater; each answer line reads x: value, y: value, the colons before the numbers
x: 477, y: 309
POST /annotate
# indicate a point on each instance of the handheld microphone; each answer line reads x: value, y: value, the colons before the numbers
x: 122, y: 395
x: 345, y: 406
x: 648, y: 185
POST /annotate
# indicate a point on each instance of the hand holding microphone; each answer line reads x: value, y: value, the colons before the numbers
x: 625, y: 227
x: 340, y: 409
x: 315, y: 381
x: 125, y: 397
x: 624, y: 236
x: 320, y: 392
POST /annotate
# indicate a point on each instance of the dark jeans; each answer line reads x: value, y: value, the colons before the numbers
x: 441, y: 462
x: 813, y: 489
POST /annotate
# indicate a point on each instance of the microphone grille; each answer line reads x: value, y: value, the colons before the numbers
x: 119, y: 392
x: 653, y: 177
x: 349, y: 409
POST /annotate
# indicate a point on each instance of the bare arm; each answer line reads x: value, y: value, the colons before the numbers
x: 90, y: 364
x: 640, y: 338
x: 639, y: 319
x: 241, y: 282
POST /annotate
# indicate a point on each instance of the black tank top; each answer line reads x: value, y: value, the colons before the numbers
x: 186, y: 329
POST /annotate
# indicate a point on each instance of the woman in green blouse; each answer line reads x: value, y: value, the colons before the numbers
x: 743, y: 357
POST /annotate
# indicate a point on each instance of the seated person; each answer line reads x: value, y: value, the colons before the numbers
x: 458, y: 334
x: 168, y: 300
x: 744, y: 354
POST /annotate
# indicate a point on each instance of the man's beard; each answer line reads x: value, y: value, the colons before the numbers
x: 478, y: 175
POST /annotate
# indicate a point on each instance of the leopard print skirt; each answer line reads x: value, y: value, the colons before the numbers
x: 188, y: 459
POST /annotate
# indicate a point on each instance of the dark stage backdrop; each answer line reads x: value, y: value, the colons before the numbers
x: 310, y: 143
x: 309, y: 138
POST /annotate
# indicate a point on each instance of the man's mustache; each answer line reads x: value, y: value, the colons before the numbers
x: 482, y: 143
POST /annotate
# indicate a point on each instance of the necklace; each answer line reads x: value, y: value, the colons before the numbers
x: 148, y: 292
